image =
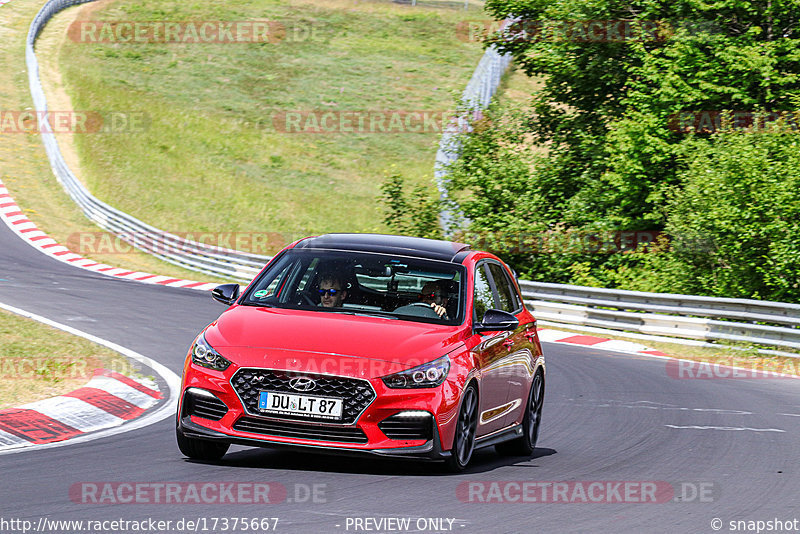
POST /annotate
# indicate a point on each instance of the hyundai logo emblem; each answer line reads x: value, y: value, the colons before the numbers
x: 302, y: 383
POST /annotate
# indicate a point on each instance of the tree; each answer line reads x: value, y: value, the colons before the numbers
x: 736, y: 216
x: 624, y: 84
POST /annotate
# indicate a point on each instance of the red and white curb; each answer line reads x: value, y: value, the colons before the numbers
x: 13, y: 216
x: 616, y: 345
x: 107, y: 400
x: 109, y: 404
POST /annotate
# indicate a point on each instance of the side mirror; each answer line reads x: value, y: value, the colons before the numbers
x: 226, y: 293
x: 496, y: 321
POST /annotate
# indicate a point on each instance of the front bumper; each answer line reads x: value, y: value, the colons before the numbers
x: 367, y: 433
x: 430, y: 450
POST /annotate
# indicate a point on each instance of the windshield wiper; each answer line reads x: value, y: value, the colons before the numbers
x: 365, y: 313
x: 258, y: 304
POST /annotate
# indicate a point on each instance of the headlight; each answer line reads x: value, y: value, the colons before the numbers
x: 204, y: 355
x: 428, y: 375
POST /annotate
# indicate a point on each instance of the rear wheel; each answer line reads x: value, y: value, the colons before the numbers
x: 466, y: 426
x: 200, y: 449
x: 526, y: 444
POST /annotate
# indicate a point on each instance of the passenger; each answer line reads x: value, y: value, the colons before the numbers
x: 330, y: 291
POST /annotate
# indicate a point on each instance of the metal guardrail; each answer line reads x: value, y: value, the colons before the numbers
x: 665, y: 314
x: 186, y: 253
x: 682, y: 316
x: 477, y: 96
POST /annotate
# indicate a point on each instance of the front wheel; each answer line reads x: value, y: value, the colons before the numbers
x: 466, y: 426
x: 199, y: 449
x: 526, y: 444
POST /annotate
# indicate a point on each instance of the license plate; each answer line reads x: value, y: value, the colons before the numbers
x: 305, y: 405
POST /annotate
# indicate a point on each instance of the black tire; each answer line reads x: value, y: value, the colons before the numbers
x: 199, y: 449
x: 526, y: 444
x: 466, y: 426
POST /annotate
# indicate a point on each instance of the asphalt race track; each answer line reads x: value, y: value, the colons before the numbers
x: 608, y: 418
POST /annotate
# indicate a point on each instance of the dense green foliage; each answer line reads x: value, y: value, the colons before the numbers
x: 736, y: 217
x: 603, y: 146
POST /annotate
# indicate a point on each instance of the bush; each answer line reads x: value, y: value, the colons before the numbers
x: 736, y: 216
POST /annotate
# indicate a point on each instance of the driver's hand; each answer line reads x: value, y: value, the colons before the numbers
x: 440, y: 310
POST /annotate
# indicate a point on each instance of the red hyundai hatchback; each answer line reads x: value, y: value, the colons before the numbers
x: 360, y: 343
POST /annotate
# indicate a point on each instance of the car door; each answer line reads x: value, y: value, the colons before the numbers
x: 518, y: 362
x: 492, y: 353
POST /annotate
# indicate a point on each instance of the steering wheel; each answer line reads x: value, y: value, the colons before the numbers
x: 420, y: 309
x: 430, y: 306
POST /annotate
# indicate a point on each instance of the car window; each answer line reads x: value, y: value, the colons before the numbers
x: 505, y: 291
x: 483, y: 299
x: 308, y: 275
x: 362, y: 283
x: 270, y: 289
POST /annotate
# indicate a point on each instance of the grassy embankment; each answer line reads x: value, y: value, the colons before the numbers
x: 214, y: 159
x: 23, y: 164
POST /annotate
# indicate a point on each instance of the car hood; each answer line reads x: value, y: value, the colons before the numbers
x: 329, y: 343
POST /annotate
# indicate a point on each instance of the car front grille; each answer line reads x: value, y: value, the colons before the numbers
x: 406, y: 428
x: 355, y: 393
x: 287, y: 429
x: 207, y: 407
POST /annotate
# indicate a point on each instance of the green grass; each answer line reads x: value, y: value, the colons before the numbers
x: 24, y: 167
x: 211, y: 160
x: 38, y: 361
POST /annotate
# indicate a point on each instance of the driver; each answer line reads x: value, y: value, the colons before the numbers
x: 330, y: 291
x: 434, y: 295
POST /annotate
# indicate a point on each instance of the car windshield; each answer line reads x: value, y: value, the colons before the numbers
x: 362, y: 283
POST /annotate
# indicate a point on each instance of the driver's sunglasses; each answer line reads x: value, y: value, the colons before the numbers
x: 329, y: 292
x: 429, y: 295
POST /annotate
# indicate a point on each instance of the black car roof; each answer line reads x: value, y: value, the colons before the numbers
x: 417, y: 247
